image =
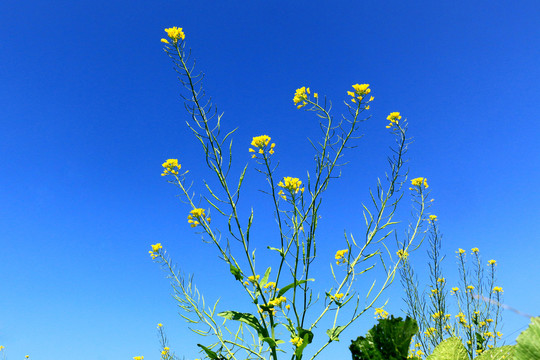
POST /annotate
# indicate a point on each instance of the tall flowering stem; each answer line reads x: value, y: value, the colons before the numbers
x: 283, y: 298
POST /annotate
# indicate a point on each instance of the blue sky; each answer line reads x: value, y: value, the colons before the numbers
x: 90, y: 108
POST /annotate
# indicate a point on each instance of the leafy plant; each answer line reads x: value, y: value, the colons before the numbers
x: 388, y: 340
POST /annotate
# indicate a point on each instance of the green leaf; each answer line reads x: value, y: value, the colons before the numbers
x: 247, y: 319
x: 449, y: 349
x: 306, y: 336
x: 236, y: 272
x: 528, y: 342
x: 500, y: 353
x: 212, y: 355
x: 290, y: 286
x: 270, y: 341
x: 303, y: 332
x: 265, y: 277
x: 333, y: 334
x: 388, y: 340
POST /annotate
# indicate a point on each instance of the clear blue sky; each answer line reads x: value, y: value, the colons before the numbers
x: 90, y: 108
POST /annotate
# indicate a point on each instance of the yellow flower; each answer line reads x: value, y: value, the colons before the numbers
x: 430, y: 331
x: 171, y: 166
x: 159, y: 325
x: 138, y: 358
x: 380, y: 313
x: 497, y: 289
x: 441, y: 280
x: 301, y: 95
x: 2, y: 347
x: 277, y: 301
x: 175, y: 34
x: 359, y: 91
x: 475, y: 250
x: 260, y: 144
x: 155, y: 250
x: 492, y: 262
x: 419, y: 182
x: 254, y: 279
x: 437, y: 315
x: 340, y: 256
x: 287, y: 307
x: 402, y: 254
x: 460, y: 251
x: 195, y: 217
x: 454, y: 290
x: 316, y: 96
x: 337, y: 297
x: 419, y: 352
x: 291, y: 184
x: 433, y: 217
x: 27, y: 356
x: 499, y: 334
x: 489, y: 320
x: 296, y: 341
x: 394, y: 118
x: 164, y: 41
x: 470, y: 287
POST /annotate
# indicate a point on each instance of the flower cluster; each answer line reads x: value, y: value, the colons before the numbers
x: 260, y: 144
x: 154, y: 253
x: 460, y: 251
x: 337, y: 297
x: 430, y: 331
x: 492, y: 262
x: 475, y: 250
x: 138, y: 358
x: 432, y: 218
x: 402, y: 254
x: 359, y: 92
x: 269, y: 286
x: 301, y: 96
x: 277, y: 301
x: 497, y: 289
x: 394, y: 118
x: 454, y: 290
x: 418, y: 182
x: 171, y: 166
x: 291, y: 184
x: 196, y: 216
x: 252, y: 279
x: 165, y: 351
x: 380, y: 313
x: 174, y: 34
x: 340, y: 256
x: 296, y: 341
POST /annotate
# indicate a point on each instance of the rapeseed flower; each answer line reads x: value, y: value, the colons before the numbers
x: 277, y: 301
x: 297, y: 341
x: 380, y: 313
x: 174, y: 34
x: 454, y: 290
x: 138, y: 358
x: 340, y: 256
x: 154, y: 253
x: 497, y: 289
x: 492, y: 262
x: 301, y: 96
x: 196, y: 216
x: 475, y: 250
x: 460, y: 251
x: 402, y: 254
x: 291, y: 184
x: 394, y: 118
x: 419, y: 182
x: 359, y: 92
x: 171, y: 166
x: 2, y: 347
x: 433, y: 217
x: 260, y: 144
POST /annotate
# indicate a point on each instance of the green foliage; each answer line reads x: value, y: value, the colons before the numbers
x: 449, y: 349
x: 388, y: 340
x: 528, y: 342
x: 500, y: 353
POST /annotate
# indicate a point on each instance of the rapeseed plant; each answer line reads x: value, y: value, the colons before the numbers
x: 296, y: 202
x: 477, y: 299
